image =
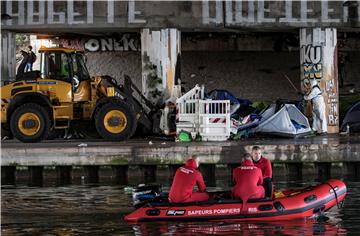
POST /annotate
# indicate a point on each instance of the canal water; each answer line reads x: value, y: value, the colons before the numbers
x: 98, y: 209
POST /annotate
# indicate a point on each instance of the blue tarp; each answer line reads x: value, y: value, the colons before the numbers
x: 235, y: 103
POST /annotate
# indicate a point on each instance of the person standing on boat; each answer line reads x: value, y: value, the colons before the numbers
x: 186, y: 177
x: 248, y: 180
x: 265, y: 166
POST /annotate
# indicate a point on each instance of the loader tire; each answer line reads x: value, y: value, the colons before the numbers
x: 115, y: 121
x: 30, y: 123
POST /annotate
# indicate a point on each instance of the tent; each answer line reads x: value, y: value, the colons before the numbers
x: 352, y: 118
x: 288, y: 121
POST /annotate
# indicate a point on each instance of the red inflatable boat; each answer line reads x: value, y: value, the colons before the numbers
x: 291, y: 204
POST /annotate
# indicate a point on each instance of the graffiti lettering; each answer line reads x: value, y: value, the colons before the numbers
x: 313, y: 71
x: 77, y: 44
x: 311, y: 54
x: 127, y: 42
x: 332, y: 102
x: 311, y: 57
x: 40, y: 16
x: 235, y: 11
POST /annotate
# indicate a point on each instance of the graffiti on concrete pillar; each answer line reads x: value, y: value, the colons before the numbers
x: 311, y: 58
x: 332, y: 102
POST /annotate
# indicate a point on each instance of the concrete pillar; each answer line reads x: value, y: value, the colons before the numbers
x: 8, y: 60
x: 36, y: 175
x: 92, y: 174
x: 8, y: 174
x: 160, y: 55
x: 121, y: 174
x: 318, y: 59
x: 63, y: 174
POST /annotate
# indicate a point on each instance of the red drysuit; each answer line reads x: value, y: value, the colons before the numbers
x: 184, y: 181
x: 265, y: 166
x: 248, y: 182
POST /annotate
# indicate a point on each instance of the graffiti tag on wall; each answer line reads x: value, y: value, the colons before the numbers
x: 259, y: 11
x: 138, y: 13
x: 332, y: 102
x: 126, y: 42
x: 311, y: 57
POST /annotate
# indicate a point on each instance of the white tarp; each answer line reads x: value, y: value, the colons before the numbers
x: 288, y: 121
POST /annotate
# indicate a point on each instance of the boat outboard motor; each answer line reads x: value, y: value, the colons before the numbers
x: 145, y: 193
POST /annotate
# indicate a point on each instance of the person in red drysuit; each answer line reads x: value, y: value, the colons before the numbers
x: 265, y: 166
x: 184, y: 181
x: 248, y: 181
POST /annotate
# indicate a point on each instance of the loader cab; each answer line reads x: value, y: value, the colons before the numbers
x: 63, y: 64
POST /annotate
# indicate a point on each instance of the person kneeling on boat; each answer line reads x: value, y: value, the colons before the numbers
x: 265, y: 166
x: 248, y: 181
x: 186, y: 177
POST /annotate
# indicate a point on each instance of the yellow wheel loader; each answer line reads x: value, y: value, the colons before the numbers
x: 62, y: 92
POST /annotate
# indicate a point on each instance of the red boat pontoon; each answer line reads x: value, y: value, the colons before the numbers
x: 286, y: 205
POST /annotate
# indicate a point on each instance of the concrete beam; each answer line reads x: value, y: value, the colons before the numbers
x: 115, y: 16
x: 145, y: 154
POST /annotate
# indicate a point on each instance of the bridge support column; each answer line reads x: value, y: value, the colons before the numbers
x: 160, y: 55
x: 8, y: 59
x: 318, y: 60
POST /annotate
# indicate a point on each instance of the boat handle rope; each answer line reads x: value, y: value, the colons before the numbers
x: 339, y: 205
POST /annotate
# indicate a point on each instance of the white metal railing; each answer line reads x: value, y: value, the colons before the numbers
x: 214, y: 120
x: 209, y: 118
